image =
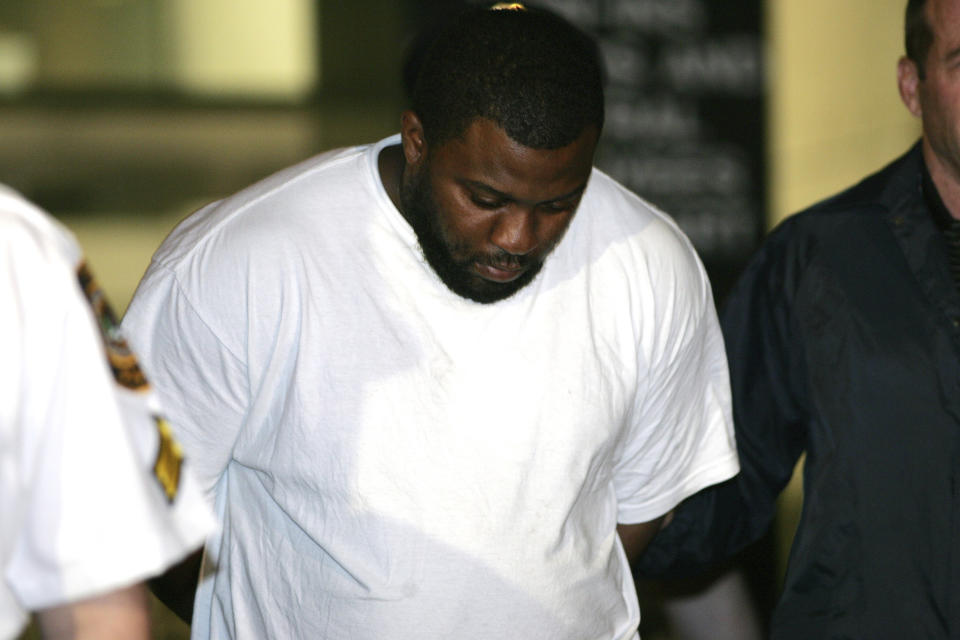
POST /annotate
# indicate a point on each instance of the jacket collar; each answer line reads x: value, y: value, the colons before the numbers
x: 921, y: 242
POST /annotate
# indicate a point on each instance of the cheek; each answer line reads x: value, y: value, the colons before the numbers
x: 464, y: 235
x: 942, y: 101
x: 461, y: 228
x: 455, y: 231
x: 951, y: 109
x: 940, y: 119
x: 552, y: 228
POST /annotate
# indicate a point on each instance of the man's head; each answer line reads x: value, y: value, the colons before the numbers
x: 929, y: 82
x: 498, y: 147
x: 529, y: 71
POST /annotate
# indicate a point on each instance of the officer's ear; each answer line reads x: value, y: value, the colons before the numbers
x: 908, y: 81
x: 412, y: 139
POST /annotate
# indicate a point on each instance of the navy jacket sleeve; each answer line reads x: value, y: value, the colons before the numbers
x: 766, y: 375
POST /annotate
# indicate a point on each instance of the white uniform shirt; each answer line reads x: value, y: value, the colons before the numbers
x: 390, y: 460
x: 92, y: 495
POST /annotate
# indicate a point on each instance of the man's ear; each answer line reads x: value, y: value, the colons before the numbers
x: 908, y: 81
x: 412, y: 139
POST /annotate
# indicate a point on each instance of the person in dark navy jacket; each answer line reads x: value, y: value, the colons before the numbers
x: 843, y: 338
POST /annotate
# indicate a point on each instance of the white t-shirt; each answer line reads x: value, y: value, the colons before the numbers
x: 390, y: 460
x: 92, y: 493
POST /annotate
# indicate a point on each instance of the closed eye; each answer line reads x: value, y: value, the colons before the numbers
x: 485, y: 203
x: 558, y: 207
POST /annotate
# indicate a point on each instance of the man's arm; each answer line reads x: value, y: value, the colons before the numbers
x: 89, y: 513
x: 636, y: 537
x: 767, y: 380
x: 118, y: 615
x: 178, y: 585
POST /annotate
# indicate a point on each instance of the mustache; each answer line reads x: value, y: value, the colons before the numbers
x: 504, y: 260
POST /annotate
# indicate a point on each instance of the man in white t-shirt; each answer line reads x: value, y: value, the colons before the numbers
x: 93, y: 496
x: 423, y: 395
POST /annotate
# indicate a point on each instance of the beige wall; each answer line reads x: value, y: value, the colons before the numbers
x: 264, y: 48
x: 834, y: 111
x: 85, y: 44
x: 220, y: 48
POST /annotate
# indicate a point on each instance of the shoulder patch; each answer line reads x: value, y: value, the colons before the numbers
x: 126, y: 369
x: 166, y: 468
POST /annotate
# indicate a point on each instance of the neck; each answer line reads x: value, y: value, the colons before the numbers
x: 946, y: 179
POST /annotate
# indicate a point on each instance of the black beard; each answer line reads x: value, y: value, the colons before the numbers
x: 421, y: 211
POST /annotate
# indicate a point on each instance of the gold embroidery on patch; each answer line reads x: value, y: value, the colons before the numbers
x: 126, y: 369
x: 169, y: 460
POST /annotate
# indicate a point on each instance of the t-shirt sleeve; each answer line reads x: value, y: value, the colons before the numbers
x: 680, y: 436
x: 200, y: 380
x: 95, y: 493
x: 767, y: 372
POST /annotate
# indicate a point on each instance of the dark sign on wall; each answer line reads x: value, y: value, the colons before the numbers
x: 685, y: 115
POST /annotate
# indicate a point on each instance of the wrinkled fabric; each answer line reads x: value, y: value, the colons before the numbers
x: 843, y: 342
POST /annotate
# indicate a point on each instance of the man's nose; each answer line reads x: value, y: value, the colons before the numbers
x: 515, y: 231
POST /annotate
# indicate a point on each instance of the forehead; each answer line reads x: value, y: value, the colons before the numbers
x: 485, y: 154
x: 943, y: 17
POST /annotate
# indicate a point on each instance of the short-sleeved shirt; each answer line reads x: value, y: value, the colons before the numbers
x: 844, y: 342
x: 392, y: 460
x: 94, y: 494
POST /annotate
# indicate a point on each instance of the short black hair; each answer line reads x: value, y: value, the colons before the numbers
x: 918, y: 36
x: 528, y: 70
